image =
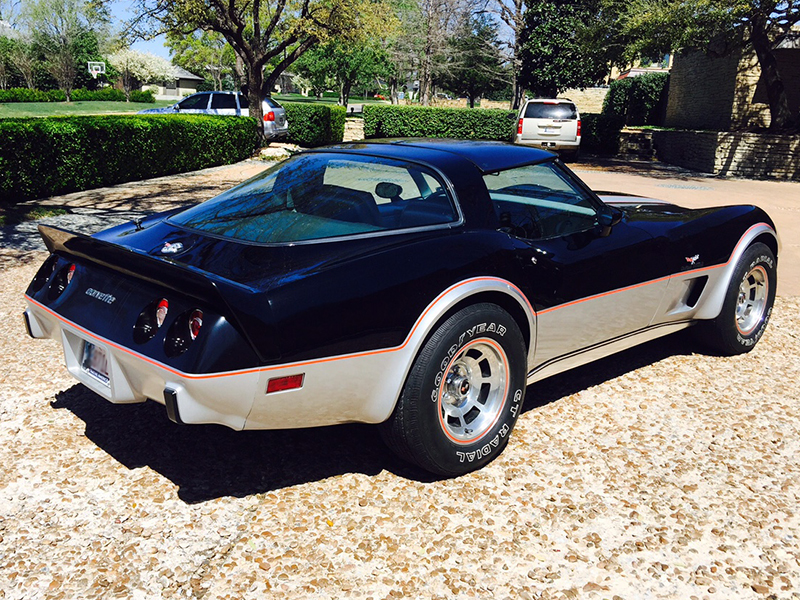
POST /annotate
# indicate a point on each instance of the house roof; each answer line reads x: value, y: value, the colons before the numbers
x: 181, y: 73
x: 790, y: 41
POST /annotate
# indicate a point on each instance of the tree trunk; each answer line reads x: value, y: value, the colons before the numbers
x: 393, y: 90
x: 517, y: 92
x: 781, y: 116
x: 256, y: 91
x: 344, y: 92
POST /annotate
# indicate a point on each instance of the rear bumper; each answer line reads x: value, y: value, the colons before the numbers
x: 552, y: 145
x: 346, y: 389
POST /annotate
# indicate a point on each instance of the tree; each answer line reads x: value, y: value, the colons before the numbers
x: 203, y: 52
x: 512, y: 14
x: 435, y: 22
x: 556, y: 51
x: 345, y: 64
x: 136, y: 68
x: 269, y: 34
x: 717, y: 27
x: 476, y: 66
x: 62, y: 30
x: 23, y: 58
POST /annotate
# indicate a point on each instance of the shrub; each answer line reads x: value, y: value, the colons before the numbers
x: 47, y: 156
x: 461, y: 123
x: 600, y: 133
x: 107, y: 94
x: 142, y: 96
x: 638, y: 100
x: 315, y: 124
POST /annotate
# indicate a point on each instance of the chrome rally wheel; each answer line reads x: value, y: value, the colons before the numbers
x: 747, y: 305
x: 463, y: 394
x: 473, y: 392
x: 752, y: 299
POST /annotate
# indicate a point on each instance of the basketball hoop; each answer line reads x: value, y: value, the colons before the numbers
x: 96, y: 68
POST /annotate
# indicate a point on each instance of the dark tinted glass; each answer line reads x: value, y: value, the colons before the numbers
x: 540, y: 110
x: 200, y: 101
x: 316, y: 196
x: 243, y: 102
x: 223, y: 101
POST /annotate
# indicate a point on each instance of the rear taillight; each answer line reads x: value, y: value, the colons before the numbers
x: 519, y: 128
x: 60, y: 281
x: 579, y: 127
x: 150, y: 320
x: 44, y: 274
x: 183, y: 331
x: 195, y: 323
x: 270, y: 116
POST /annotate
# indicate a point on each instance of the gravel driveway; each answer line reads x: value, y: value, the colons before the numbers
x: 657, y: 473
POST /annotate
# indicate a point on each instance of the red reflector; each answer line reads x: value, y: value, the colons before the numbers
x: 579, y: 126
x: 519, y: 127
x: 279, y: 384
x: 270, y: 116
x: 70, y: 273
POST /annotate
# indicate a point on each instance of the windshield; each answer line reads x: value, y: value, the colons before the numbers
x: 323, y: 195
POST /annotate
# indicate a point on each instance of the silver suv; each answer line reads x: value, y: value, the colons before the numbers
x: 552, y: 125
x: 229, y: 103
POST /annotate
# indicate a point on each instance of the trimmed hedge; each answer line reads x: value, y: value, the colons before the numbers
x: 381, y: 121
x: 29, y: 95
x: 42, y: 157
x: 600, y: 133
x: 107, y: 94
x: 638, y: 100
x: 315, y: 124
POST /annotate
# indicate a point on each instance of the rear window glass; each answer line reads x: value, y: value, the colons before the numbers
x: 223, y: 101
x: 243, y: 101
x: 272, y: 103
x: 324, y: 195
x: 540, y: 110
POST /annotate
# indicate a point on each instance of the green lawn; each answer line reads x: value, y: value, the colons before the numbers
x: 52, y: 109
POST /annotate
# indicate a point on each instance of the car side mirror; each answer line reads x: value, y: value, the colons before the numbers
x: 175, y: 107
x: 607, y: 218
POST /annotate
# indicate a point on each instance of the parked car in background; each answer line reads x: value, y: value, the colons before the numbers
x: 229, y: 103
x: 421, y: 285
x: 550, y: 124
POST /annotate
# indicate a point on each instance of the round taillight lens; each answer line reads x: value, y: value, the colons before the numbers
x: 60, y: 281
x: 44, y: 274
x: 150, y: 320
x: 183, y: 331
x: 195, y: 323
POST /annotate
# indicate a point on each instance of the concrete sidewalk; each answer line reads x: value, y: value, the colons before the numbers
x: 92, y: 210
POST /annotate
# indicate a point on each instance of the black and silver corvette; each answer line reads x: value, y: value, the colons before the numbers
x: 416, y: 284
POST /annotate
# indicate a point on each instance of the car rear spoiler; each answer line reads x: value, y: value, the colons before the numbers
x: 180, y: 278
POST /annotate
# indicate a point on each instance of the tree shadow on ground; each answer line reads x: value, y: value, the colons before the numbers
x: 210, y: 461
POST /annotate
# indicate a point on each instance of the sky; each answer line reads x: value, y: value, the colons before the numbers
x: 120, y: 10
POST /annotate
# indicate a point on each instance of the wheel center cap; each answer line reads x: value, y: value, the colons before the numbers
x: 464, y: 387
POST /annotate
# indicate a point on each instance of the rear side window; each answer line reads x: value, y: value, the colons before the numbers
x: 200, y: 101
x: 272, y: 103
x: 223, y: 101
x: 325, y: 195
x: 243, y: 101
x: 540, y: 202
x: 542, y: 110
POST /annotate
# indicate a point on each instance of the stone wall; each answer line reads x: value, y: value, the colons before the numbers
x: 735, y: 154
x: 726, y: 93
x: 589, y: 100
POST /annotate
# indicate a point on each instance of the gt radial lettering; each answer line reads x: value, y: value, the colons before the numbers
x: 107, y: 298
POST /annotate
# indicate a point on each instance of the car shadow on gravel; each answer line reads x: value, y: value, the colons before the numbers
x: 578, y: 379
x: 211, y: 461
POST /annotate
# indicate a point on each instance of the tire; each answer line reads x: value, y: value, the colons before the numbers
x: 747, y: 305
x: 463, y: 394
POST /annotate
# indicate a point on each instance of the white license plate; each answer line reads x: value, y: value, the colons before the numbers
x: 95, y: 363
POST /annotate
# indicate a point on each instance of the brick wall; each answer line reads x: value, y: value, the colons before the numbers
x: 736, y: 154
x: 589, y: 100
